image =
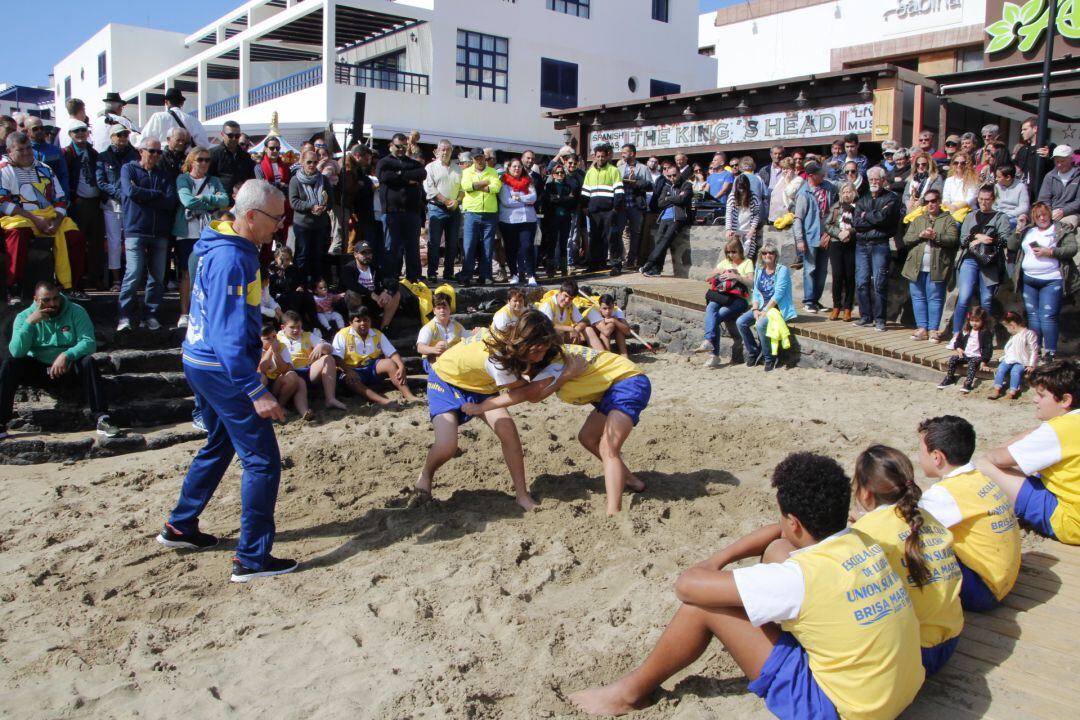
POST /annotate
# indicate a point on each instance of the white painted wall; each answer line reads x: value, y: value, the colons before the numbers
x: 799, y: 42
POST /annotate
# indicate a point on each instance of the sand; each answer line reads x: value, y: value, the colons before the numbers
x: 464, y: 608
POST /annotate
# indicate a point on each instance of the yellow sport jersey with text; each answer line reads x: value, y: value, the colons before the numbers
x: 858, y: 627
x: 987, y: 540
x: 1063, y: 479
x: 300, y: 350
x: 463, y: 366
x: 604, y: 370
x: 353, y: 357
x: 937, y: 603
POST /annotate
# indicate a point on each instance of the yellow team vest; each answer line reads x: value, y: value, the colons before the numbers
x: 937, y: 603
x: 604, y: 370
x: 300, y: 350
x: 559, y: 317
x: 1063, y: 479
x: 505, y: 313
x: 452, y: 336
x: 463, y: 366
x: 858, y: 628
x: 987, y: 540
x: 353, y: 357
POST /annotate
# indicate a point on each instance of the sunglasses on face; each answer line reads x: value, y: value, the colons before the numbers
x: 272, y: 148
x: 80, y: 130
x: 730, y: 252
x: 922, y: 164
x: 933, y: 201
x: 123, y: 134
x: 202, y: 160
x: 769, y: 253
x: 960, y: 163
x: 951, y: 144
x: 151, y: 151
x: 233, y: 136
x: 851, y: 172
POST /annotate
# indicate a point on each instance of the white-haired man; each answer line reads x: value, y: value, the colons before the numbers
x: 112, y: 114
x: 221, y: 357
x: 173, y: 116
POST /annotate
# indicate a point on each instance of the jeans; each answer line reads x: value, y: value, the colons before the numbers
x: 573, y: 242
x: 968, y: 278
x: 442, y: 224
x: 143, y: 253
x: 1015, y: 373
x: 815, y: 270
x: 402, y: 240
x: 715, y: 314
x: 744, y: 323
x: 485, y: 224
x: 872, y: 265
x: 632, y: 220
x: 310, y: 253
x: 842, y: 264
x: 602, y: 238
x: 1042, y: 301
x: 518, y: 238
x: 927, y: 300
x: 669, y: 230
x: 557, y: 238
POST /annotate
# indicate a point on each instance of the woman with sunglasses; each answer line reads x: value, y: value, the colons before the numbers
x: 309, y: 196
x: 200, y: 195
x: 772, y: 289
x: 736, y: 275
x: 924, y: 177
x: 852, y: 174
x: 961, y: 188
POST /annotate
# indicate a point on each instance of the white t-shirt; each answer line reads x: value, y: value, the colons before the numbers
x: 973, y: 348
x: 595, y: 316
x: 501, y: 377
x: 559, y: 316
x: 940, y: 503
x: 1040, y: 449
x: 364, y: 346
x: 432, y: 333
x: 1038, y: 267
x: 504, y: 319
x: 366, y: 278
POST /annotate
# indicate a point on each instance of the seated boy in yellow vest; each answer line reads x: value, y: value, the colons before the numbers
x: 311, y: 356
x: 364, y: 354
x: 822, y: 627
x: 279, y: 375
x: 508, y: 314
x: 440, y: 334
x: 986, y: 536
x: 1040, y: 470
x: 567, y: 318
x: 609, y: 322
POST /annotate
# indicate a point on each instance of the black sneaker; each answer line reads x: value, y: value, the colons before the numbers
x: 272, y: 566
x: 753, y: 359
x: 770, y: 364
x: 616, y: 271
x: 4, y: 435
x: 946, y: 383
x: 966, y: 388
x: 105, y: 428
x: 170, y: 537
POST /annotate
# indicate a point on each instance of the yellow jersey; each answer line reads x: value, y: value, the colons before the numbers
x: 567, y: 318
x: 937, y: 603
x: 358, y: 351
x: 603, y: 370
x: 504, y: 319
x: 986, y: 535
x: 299, y: 351
x: 1053, y: 452
x: 468, y: 365
x: 433, y: 333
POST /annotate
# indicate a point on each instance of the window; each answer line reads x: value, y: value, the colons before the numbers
x: 707, y: 51
x: 580, y: 8
x: 483, y: 62
x: 67, y: 87
x: 660, y: 10
x: 659, y: 87
x: 382, y: 71
x: 558, y: 84
x: 101, y: 73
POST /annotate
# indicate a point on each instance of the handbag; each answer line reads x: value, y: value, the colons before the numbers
x: 985, y: 254
x: 724, y: 291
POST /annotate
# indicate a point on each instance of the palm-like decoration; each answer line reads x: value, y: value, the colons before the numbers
x: 1025, y: 24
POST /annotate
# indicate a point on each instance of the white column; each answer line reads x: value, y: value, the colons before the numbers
x: 203, y: 92
x: 143, y: 114
x: 245, y: 72
x: 329, y: 58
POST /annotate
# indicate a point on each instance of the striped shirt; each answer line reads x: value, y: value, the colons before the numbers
x: 602, y: 188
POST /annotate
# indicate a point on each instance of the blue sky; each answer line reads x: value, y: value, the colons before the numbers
x: 74, y: 22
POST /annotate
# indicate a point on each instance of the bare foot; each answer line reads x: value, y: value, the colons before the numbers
x: 527, y: 502
x: 607, y: 700
x: 335, y: 404
x: 635, y: 485
x: 308, y: 415
x: 409, y: 397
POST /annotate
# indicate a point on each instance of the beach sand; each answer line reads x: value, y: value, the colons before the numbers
x: 463, y: 608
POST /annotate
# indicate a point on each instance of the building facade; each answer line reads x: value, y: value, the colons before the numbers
x: 479, y: 72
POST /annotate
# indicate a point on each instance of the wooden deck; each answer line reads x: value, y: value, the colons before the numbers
x: 1022, y: 659
x: 895, y: 342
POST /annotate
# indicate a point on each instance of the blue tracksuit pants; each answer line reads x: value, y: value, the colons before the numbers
x: 233, y: 428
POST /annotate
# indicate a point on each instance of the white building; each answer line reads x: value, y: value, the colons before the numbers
x: 766, y: 40
x: 480, y: 72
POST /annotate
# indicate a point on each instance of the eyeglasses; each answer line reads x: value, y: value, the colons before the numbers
x: 233, y: 136
x: 730, y: 252
x: 202, y: 160
x: 933, y: 201
x: 80, y: 130
x: 122, y: 134
x: 271, y: 148
x: 151, y: 151
x: 768, y: 252
x: 851, y: 172
x: 951, y: 144
x: 960, y: 163
x: 922, y: 164
x: 279, y: 220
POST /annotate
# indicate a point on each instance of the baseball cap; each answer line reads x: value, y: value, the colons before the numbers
x: 813, y: 168
x: 76, y: 125
x: 952, y: 140
x: 1063, y: 151
x: 362, y: 248
x: 117, y: 128
x: 464, y: 157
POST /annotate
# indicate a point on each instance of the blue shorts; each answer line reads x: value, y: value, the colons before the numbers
x: 1034, y: 506
x: 629, y: 396
x: 788, y: 686
x: 975, y: 596
x: 443, y: 397
x: 367, y: 374
x: 305, y: 373
x: 934, y: 658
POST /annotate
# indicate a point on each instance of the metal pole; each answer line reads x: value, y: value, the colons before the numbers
x: 1043, y: 137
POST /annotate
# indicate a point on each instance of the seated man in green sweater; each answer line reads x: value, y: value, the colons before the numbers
x: 52, y: 342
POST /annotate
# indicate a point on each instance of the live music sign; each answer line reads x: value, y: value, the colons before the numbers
x: 827, y: 122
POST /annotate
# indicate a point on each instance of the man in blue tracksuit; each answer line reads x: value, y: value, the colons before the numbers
x: 221, y: 355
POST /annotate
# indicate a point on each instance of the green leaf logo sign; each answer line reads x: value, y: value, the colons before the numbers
x: 1024, y: 25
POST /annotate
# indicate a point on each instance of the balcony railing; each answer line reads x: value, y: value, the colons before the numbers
x: 286, y: 85
x: 381, y: 78
x: 223, y: 107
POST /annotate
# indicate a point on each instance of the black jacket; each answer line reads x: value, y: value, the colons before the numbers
x: 559, y: 196
x: 876, y: 218
x: 172, y: 163
x: 986, y: 342
x: 677, y: 196
x: 77, y: 165
x: 350, y: 280
x: 401, y: 184
x: 231, y: 169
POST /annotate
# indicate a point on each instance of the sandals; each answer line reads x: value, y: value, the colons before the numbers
x: 920, y: 334
x: 935, y: 336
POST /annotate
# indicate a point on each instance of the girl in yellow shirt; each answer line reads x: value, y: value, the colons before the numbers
x: 618, y: 391
x: 918, y: 546
x: 473, y: 371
